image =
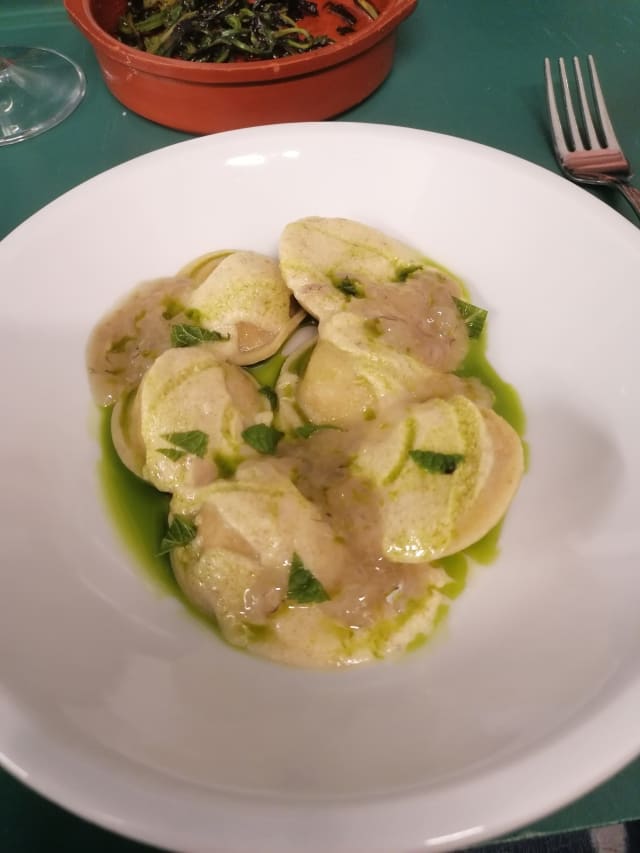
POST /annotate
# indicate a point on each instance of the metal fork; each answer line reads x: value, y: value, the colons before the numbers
x: 593, y: 162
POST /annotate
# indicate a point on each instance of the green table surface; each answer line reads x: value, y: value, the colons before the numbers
x: 469, y: 68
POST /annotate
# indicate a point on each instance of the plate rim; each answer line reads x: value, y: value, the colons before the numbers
x: 473, y: 834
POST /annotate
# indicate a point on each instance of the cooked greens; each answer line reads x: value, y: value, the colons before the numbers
x: 219, y: 30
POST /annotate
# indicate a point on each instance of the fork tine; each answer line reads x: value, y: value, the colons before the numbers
x: 605, y: 121
x: 594, y: 143
x: 576, y: 139
x: 556, y: 125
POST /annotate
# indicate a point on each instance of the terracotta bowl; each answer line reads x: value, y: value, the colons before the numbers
x: 208, y: 97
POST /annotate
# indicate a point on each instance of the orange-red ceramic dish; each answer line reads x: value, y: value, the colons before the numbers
x: 208, y: 97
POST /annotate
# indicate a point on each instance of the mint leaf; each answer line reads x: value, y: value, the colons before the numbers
x: 262, y: 438
x: 436, y: 463
x: 303, y: 586
x: 473, y: 317
x: 184, y: 335
x: 181, y: 531
x: 195, y: 441
x: 172, y: 453
x: 308, y: 429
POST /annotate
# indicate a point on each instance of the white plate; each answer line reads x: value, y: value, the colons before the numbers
x: 120, y: 706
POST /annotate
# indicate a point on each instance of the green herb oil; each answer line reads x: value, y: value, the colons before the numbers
x: 140, y: 513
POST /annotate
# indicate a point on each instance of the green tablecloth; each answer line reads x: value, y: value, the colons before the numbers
x: 470, y: 68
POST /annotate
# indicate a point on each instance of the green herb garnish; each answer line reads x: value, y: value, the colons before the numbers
x: 195, y: 441
x: 181, y: 531
x: 308, y: 429
x: 303, y: 586
x: 262, y: 438
x: 172, y: 453
x: 473, y: 316
x: 436, y: 463
x: 189, y: 336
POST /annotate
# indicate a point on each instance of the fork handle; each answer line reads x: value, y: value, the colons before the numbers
x: 632, y: 195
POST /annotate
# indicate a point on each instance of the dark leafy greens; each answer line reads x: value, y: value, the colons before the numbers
x: 219, y: 30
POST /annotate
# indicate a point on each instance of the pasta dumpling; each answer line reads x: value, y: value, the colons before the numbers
x: 445, y: 472
x: 185, y: 425
x: 241, y: 567
x: 246, y: 302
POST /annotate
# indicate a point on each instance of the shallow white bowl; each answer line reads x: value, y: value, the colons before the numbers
x: 120, y: 706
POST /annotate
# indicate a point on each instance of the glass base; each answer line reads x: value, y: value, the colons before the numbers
x: 39, y: 88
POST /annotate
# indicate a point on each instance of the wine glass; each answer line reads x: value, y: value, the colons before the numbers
x: 39, y: 87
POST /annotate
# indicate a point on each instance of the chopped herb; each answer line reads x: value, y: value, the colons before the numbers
x: 303, y: 586
x: 172, y: 453
x: 262, y: 438
x: 349, y: 287
x: 195, y: 441
x: 308, y: 429
x: 473, y: 317
x: 436, y: 463
x: 369, y: 8
x: 181, y: 531
x: 406, y: 271
x: 268, y: 392
x: 188, y: 336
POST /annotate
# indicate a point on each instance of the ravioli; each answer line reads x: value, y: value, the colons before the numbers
x: 239, y: 564
x: 429, y: 511
x: 318, y: 474
x: 330, y: 264
x: 355, y: 373
x: 188, y: 418
x: 246, y: 302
